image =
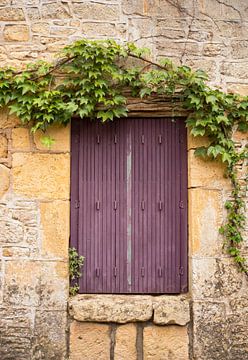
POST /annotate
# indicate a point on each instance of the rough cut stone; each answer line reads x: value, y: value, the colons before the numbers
x: 206, y: 174
x: 55, y: 228
x: 43, y: 176
x: 54, y: 10
x: 165, y: 342
x: 60, y: 135
x: 11, y: 14
x: 205, y: 218
x: 16, y: 33
x: 211, y: 340
x: 50, y: 338
x: 20, y: 139
x: 4, y: 180
x: 109, y: 308
x: 171, y: 310
x: 16, y: 333
x: 125, y: 342
x: 96, y: 11
x: 3, y: 146
x: 123, y: 308
x: 89, y: 341
x: 102, y: 29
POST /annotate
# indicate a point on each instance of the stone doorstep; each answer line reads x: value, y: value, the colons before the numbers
x: 162, y: 310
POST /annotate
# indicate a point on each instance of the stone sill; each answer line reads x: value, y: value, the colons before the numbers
x: 162, y: 310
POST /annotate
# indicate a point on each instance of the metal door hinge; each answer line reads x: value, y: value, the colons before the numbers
x: 181, y: 271
x: 97, y: 272
x: 142, y: 271
x: 77, y: 204
x: 181, y: 204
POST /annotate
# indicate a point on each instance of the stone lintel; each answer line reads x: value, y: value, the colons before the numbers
x: 164, y: 309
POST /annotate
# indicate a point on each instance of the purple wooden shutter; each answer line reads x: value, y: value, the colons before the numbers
x: 129, y: 205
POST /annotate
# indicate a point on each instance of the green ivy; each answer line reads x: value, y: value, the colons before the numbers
x: 75, y: 264
x: 89, y: 80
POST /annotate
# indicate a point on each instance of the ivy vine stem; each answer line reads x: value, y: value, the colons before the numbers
x: 89, y: 80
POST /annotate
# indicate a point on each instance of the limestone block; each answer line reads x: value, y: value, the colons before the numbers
x: 108, y: 308
x: 134, y: 7
x: 33, y: 283
x: 125, y: 342
x: 96, y: 29
x: 54, y: 285
x: 20, y: 139
x: 168, y: 47
x: 16, y: 33
x: 195, y: 142
x: 211, y: 339
x: 171, y: 310
x: 11, y: 14
x: 214, y: 50
x: 96, y: 11
x: 205, y: 173
x: 22, y: 281
x: 239, y: 49
x: 60, y: 135
x: 236, y: 70
x: 42, y: 28
x: 16, y: 252
x: 62, y: 31
x: 55, y: 218
x: 4, y: 179
x: 50, y: 335
x: 205, y: 279
x: 241, y: 89
x: 205, y: 219
x: 6, y: 120
x: 12, y: 232
x: 33, y: 13
x: 165, y: 342
x: 43, y: 176
x: 89, y: 341
x: 16, y: 333
x: 3, y: 146
x: 54, y: 10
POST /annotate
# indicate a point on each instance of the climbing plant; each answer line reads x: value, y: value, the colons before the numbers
x: 88, y: 80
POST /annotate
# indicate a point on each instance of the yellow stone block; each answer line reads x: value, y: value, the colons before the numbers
x: 41, y: 176
x: 3, y: 146
x: 7, y: 120
x: 206, y: 173
x: 125, y: 342
x: 16, y: 33
x: 89, y: 341
x: 205, y: 218
x: 195, y: 142
x: 55, y: 228
x: 241, y: 89
x: 20, y: 139
x: 60, y: 135
x: 165, y: 342
x: 4, y: 180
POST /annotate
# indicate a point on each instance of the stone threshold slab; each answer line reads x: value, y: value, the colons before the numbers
x: 162, y: 310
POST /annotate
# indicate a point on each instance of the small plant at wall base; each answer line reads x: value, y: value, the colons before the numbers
x: 75, y: 265
x: 89, y: 80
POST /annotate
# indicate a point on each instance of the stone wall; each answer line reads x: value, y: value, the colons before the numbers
x: 34, y: 190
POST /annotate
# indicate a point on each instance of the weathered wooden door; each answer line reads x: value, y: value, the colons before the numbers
x: 129, y: 205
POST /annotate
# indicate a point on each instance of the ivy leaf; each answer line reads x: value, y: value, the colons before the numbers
x: 198, y: 131
x: 47, y: 141
x: 201, y: 152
